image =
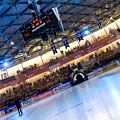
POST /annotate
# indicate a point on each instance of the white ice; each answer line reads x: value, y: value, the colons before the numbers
x: 96, y: 99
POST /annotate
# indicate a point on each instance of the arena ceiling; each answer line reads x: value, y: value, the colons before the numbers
x: 74, y: 13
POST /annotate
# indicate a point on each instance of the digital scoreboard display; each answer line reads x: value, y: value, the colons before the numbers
x: 47, y: 21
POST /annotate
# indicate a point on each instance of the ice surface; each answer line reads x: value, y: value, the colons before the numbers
x: 96, y: 99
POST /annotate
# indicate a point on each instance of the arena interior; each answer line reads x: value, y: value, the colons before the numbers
x: 42, y: 42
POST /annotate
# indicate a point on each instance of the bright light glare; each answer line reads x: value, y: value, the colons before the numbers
x: 86, y: 32
x: 5, y: 64
x: 12, y: 43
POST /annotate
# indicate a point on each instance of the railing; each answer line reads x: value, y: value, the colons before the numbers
x: 6, y: 80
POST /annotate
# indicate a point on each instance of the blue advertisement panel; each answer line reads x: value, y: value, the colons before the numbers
x: 10, y: 109
x: 62, y: 87
x: 2, y: 112
x: 90, y: 75
x: 27, y: 102
x: 100, y: 70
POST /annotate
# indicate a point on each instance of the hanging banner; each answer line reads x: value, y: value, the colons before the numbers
x: 53, y: 48
x: 79, y: 35
x: 99, y: 24
x: 65, y: 42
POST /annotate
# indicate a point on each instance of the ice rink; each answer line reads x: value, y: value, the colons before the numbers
x: 96, y: 99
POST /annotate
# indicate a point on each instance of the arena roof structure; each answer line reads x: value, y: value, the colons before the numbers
x: 74, y: 14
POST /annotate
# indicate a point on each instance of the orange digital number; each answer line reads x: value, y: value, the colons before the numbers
x: 33, y: 26
x: 40, y: 22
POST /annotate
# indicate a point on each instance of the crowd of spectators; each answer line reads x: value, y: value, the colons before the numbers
x: 76, y: 49
x: 28, y: 89
x: 104, y: 58
x: 27, y: 70
x: 58, y: 76
x: 53, y: 61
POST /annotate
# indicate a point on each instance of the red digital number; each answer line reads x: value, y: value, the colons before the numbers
x: 27, y: 35
x: 37, y: 24
x: 48, y: 21
x: 35, y: 20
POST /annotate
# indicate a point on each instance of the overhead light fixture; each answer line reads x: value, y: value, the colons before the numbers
x: 5, y: 64
x: 12, y: 43
x: 86, y: 31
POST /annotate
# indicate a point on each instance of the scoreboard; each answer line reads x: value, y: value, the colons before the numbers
x: 50, y: 20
